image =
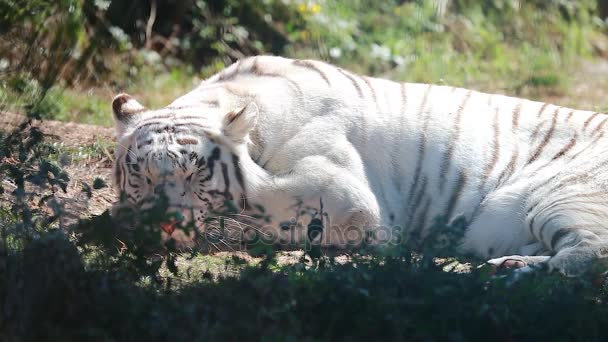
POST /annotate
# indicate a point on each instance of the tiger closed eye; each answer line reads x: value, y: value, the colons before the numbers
x: 148, y: 180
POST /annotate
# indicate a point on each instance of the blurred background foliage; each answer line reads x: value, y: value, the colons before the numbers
x: 84, y: 51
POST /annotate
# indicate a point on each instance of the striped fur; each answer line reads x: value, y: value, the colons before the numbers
x: 530, y: 178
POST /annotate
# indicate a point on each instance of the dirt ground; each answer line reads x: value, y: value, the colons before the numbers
x: 588, y: 88
x: 75, y: 137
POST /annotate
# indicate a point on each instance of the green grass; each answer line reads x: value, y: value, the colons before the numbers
x: 157, y: 89
x: 531, y: 51
x: 194, y: 267
x: 153, y: 88
x: 491, y: 45
x: 64, y: 155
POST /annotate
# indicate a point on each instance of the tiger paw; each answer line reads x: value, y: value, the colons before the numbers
x: 508, y: 262
x: 518, y: 263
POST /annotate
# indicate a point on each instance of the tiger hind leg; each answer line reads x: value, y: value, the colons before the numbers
x: 568, y: 231
x: 572, y: 224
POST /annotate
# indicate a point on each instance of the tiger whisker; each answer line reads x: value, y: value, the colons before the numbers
x: 214, y: 245
x: 242, y: 215
x: 239, y: 223
x: 217, y: 230
x: 225, y: 237
x: 227, y: 245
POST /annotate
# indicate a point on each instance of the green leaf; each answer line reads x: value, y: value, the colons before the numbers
x: 99, y: 183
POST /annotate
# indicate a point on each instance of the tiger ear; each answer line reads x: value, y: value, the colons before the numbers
x: 238, y: 123
x: 125, y: 107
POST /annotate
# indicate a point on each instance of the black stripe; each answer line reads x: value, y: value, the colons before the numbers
x: 133, y: 185
x: 566, y: 148
x: 310, y: 65
x: 134, y: 167
x: 255, y: 68
x: 170, y: 122
x: 145, y: 142
x: 189, y: 117
x: 237, y: 172
x: 542, y: 109
x: 353, y: 81
x: 373, y: 92
x: 173, y: 155
x: 508, y: 170
x: 216, y: 154
x: 495, y: 152
x: 592, y: 144
x: 447, y: 157
x: 541, y: 230
x: 560, y: 185
x: 588, y: 121
x: 546, y: 139
x: 226, y: 177
x: 128, y: 156
x: 188, y: 124
x: 421, y: 146
x: 572, y: 198
x: 420, y: 223
x: 596, y: 129
x: 569, y: 116
x: 558, y: 235
x: 396, y: 149
x: 117, y: 173
x: 200, y: 162
x: 456, y: 193
x: 516, y: 112
x: 163, y: 116
x: 124, y: 176
x: 418, y: 198
x: 210, y: 103
x: 146, y: 124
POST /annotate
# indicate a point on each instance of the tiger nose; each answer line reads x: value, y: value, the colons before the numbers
x: 178, y: 218
x: 169, y: 227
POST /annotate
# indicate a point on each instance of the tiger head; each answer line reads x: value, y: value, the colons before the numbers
x: 189, y: 157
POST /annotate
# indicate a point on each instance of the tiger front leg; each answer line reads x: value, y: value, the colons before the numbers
x: 317, y: 188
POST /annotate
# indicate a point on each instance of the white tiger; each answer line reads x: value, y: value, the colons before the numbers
x: 530, y: 178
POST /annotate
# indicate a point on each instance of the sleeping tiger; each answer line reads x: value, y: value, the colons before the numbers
x: 376, y: 156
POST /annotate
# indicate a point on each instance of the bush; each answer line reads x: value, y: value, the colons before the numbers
x: 99, y: 281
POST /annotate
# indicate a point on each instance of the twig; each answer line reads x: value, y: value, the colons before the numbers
x: 151, y: 20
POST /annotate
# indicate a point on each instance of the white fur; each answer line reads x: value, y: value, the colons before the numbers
x: 354, y: 143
